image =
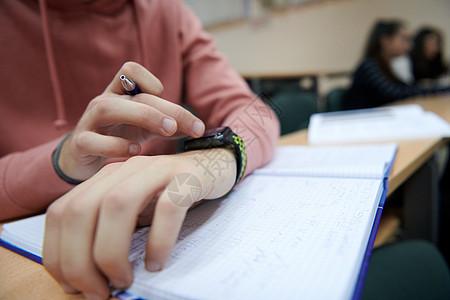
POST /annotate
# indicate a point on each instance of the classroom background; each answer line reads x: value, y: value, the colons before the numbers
x: 316, y: 43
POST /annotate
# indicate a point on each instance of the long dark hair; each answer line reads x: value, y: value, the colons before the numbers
x: 373, y: 46
x: 422, y: 67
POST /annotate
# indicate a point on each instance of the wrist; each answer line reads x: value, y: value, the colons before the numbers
x: 225, y: 173
x: 222, y: 137
x: 56, y: 155
x: 216, y: 168
x: 72, y: 166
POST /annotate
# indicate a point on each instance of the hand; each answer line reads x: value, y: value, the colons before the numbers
x: 114, y: 124
x: 88, y: 230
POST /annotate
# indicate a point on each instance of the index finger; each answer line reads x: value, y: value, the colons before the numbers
x: 118, y: 214
x: 183, y: 191
x: 167, y: 221
x: 147, y: 82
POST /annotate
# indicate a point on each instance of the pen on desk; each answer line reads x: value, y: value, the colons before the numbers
x: 130, y: 87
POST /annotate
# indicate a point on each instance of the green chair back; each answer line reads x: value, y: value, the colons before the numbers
x: 294, y: 109
x: 335, y: 99
x: 407, y: 270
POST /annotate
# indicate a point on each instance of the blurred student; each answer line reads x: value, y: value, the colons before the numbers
x: 64, y: 115
x: 425, y: 63
x: 427, y: 55
x: 374, y: 82
x: 402, y: 68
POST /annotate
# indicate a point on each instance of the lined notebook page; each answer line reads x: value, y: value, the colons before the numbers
x: 27, y: 234
x: 369, y: 161
x: 273, y: 238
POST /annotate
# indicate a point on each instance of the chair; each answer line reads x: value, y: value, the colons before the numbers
x: 294, y: 109
x: 335, y: 99
x: 409, y: 270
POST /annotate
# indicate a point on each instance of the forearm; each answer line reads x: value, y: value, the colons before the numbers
x: 28, y: 183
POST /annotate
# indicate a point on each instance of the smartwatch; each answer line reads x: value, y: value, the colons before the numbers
x: 222, y: 137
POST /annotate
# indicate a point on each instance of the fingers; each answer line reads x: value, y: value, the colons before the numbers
x: 145, y: 111
x: 51, y: 246
x: 182, y: 192
x: 67, y: 251
x: 150, y: 85
x: 187, y: 123
x: 77, y: 261
x: 92, y: 143
x: 167, y: 222
x: 122, y: 204
x: 115, y: 110
x: 147, y: 82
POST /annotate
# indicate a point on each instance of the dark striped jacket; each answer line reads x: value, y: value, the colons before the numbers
x: 371, y: 87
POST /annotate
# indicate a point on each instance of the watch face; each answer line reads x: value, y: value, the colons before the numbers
x: 214, y: 132
x: 216, y: 137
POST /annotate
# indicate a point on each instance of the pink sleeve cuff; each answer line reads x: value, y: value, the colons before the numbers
x: 28, y: 182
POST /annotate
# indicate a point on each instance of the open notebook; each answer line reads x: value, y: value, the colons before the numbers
x: 376, y: 124
x: 300, y: 228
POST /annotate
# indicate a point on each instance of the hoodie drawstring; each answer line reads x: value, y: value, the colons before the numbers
x: 141, y: 36
x: 60, y: 121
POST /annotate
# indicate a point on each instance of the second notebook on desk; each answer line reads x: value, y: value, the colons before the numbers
x: 376, y: 124
x: 300, y: 228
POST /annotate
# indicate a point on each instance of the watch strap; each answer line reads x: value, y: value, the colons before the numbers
x: 241, y: 156
x: 225, y: 138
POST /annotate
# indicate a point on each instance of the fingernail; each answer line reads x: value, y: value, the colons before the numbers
x: 93, y: 297
x: 198, y: 128
x: 134, y: 149
x: 153, y: 266
x: 118, y: 283
x: 169, y: 125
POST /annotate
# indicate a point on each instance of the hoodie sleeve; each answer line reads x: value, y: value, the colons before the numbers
x: 28, y: 182
x: 220, y: 97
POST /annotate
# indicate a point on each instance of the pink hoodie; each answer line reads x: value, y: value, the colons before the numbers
x: 58, y: 55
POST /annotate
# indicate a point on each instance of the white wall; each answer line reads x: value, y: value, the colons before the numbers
x: 324, y: 36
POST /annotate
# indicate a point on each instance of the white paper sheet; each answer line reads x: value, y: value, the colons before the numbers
x: 377, y: 124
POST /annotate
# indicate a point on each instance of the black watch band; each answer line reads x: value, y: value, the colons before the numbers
x: 222, y: 137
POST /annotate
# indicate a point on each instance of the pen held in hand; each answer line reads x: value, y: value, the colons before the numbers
x: 129, y: 86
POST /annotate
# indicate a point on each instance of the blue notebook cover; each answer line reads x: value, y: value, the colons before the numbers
x: 365, y: 264
x: 21, y: 251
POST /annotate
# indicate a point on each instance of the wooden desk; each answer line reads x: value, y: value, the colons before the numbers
x: 412, y: 154
x: 414, y: 169
x: 21, y: 278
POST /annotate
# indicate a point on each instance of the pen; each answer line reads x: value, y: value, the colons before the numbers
x: 130, y: 87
